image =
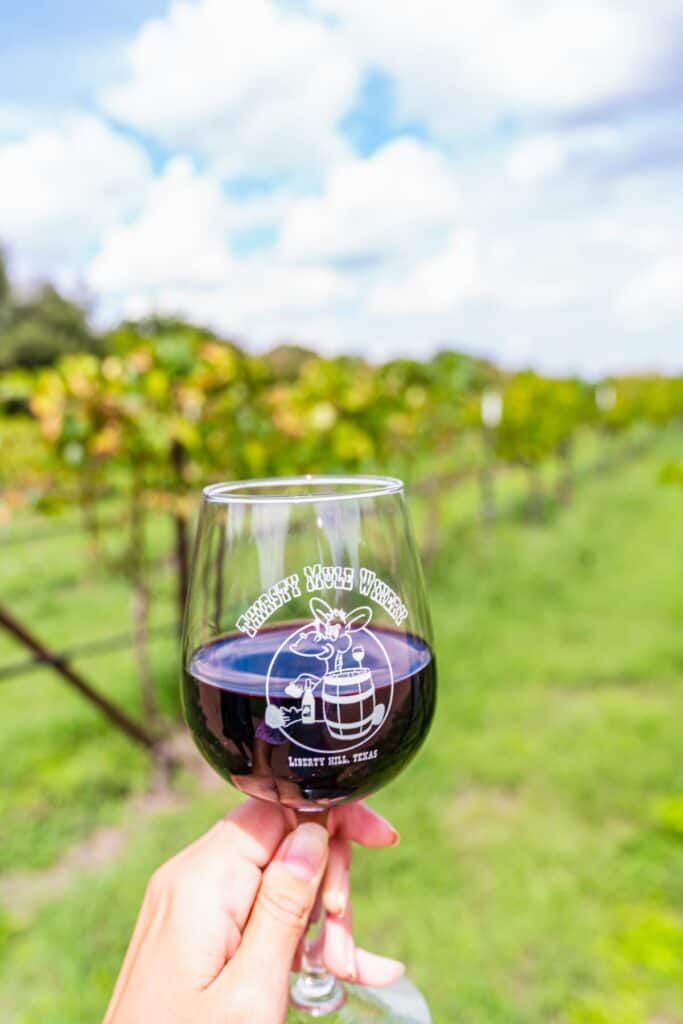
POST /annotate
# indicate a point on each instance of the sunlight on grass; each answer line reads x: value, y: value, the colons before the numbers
x: 540, y: 874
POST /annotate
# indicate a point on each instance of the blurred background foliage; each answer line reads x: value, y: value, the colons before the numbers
x: 539, y: 878
x: 161, y: 404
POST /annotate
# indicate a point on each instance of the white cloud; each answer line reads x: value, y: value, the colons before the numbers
x: 16, y: 122
x: 475, y: 268
x: 599, y: 154
x: 369, y: 208
x: 653, y: 298
x: 61, y: 187
x: 481, y: 264
x: 455, y: 63
x: 262, y: 290
x: 175, y: 257
x: 536, y: 158
x: 441, y: 283
x: 258, y: 300
x: 179, y: 238
x: 253, y: 87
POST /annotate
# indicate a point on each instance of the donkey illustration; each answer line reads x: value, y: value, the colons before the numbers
x: 328, y: 638
x: 330, y: 633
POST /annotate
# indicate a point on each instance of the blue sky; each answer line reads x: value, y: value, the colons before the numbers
x: 383, y: 178
x: 56, y: 53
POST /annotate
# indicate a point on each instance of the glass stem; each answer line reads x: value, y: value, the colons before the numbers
x: 314, y: 990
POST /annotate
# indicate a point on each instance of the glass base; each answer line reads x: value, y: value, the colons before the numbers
x: 316, y: 993
x: 400, y: 1003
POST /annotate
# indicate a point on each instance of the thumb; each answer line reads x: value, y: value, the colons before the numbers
x: 278, y: 921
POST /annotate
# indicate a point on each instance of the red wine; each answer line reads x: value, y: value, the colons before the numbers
x: 286, y: 716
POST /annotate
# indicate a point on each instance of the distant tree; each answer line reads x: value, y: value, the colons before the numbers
x: 285, y: 361
x: 157, y: 325
x: 37, y: 328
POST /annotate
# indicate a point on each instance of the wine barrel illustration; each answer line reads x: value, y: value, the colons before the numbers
x: 348, y: 699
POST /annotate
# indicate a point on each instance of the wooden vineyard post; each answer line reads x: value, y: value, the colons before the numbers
x: 491, y: 411
x: 134, y: 731
x: 182, y: 541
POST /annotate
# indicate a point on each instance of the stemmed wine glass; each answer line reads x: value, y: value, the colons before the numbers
x: 308, y: 672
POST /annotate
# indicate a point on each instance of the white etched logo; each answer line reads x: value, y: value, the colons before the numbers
x: 335, y: 690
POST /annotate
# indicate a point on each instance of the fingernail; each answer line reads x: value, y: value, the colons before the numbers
x: 335, y: 903
x: 395, y: 837
x: 303, y: 851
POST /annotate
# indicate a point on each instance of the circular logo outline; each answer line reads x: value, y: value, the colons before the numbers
x: 365, y: 739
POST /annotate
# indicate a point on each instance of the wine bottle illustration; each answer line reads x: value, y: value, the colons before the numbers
x: 308, y: 706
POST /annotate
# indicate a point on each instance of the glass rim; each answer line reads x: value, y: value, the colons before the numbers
x: 359, y: 486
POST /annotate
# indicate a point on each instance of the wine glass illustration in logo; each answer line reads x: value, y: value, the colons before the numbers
x: 343, y: 699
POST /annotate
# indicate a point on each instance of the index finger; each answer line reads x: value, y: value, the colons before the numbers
x: 217, y: 878
x: 251, y: 832
x: 255, y: 829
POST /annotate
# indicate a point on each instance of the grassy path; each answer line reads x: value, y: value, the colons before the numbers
x: 540, y: 876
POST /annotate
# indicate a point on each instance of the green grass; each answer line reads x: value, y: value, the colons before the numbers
x: 65, y: 770
x: 540, y: 874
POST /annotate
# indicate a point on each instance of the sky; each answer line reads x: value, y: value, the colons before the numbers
x: 384, y: 178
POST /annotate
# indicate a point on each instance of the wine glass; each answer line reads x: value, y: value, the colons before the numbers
x: 308, y: 672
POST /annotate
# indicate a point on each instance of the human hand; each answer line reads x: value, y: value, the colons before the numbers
x: 221, y: 922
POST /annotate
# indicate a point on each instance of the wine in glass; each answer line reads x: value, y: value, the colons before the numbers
x: 309, y: 677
